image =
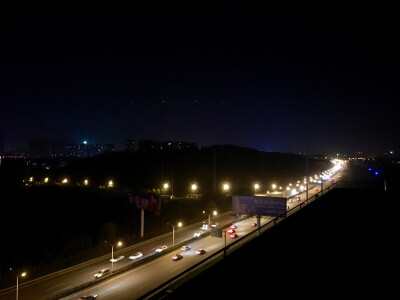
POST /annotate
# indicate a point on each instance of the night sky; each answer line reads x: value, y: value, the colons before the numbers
x: 275, y: 77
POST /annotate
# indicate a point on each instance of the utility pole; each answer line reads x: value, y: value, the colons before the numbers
x: 172, y: 181
x: 162, y: 167
x: 142, y: 222
x: 215, y: 164
x: 322, y: 180
x: 307, y: 174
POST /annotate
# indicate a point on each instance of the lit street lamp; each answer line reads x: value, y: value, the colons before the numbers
x: 273, y: 187
x: 209, y: 216
x: 256, y: 187
x: 165, y: 188
x: 119, y: 244
x: 226, y: 187
x: 23, y: 274
x: 173, y: 231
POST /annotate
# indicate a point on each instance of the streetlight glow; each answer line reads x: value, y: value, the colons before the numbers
x: 226, y: 186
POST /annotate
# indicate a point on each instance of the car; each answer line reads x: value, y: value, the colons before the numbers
x: 102, y: 273
x: 117, y: 259
x: 185, y: 248
x: 161, y: 249
x: 90, y: 297
x: 233, y: 226
x: 198, y: 233
x: 136, y: 255
x: 200, y: 251
x: 254, y: 224
x: 205, y: 226
x: 177, y: 256
x: 215, y: 224
x: 231, y: 230
x: 234, y: 235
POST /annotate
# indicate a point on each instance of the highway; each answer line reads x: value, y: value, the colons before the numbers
x: 137, y: 281
x: 48, y: 287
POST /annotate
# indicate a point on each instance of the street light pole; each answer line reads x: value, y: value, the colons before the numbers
x: 173, y: 235
x: 209, y: 217
x: 23, y: 274
x: 173, y: 231
x: 307, y: 175
x: 112, y: 253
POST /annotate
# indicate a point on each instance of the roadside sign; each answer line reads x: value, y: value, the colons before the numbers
x: 217, y: 232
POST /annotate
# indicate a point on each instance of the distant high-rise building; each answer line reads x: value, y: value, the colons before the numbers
x: 130, y: 145
x: 94, y: 149
x: 108, y: 148
x: 59, y: 148
x: 178, y: 145
x: 146, y: 145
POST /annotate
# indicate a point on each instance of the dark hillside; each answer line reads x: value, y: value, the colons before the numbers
x: 145, y: 170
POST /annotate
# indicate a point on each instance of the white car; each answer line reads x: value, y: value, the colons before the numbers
x: 117, y: 259
x: 198, y: 233
x: 215, y: 224
x: 161, y: 249
x: 136, y: 255
x: 102, y: 273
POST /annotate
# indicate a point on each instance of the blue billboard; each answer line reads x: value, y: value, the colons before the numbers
x: 259, y: 205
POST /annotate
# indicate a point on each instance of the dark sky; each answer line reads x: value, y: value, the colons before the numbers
x: 274, y: 77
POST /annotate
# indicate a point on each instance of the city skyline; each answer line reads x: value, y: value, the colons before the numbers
x: 265, y: 76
